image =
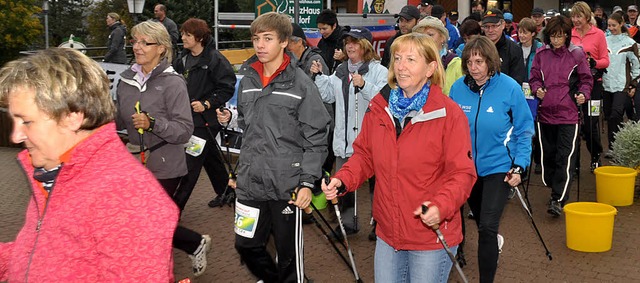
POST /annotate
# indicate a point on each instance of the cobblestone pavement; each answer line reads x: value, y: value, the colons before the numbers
x: 522, y: 260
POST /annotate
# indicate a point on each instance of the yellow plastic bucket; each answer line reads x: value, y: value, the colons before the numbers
x: 615, y: 184
x: 589, y: 226
x: 319, y: 201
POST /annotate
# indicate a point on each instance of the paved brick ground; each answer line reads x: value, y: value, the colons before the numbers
x: 523, y: 258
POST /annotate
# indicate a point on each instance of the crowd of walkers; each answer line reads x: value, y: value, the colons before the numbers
x: 451, y: 113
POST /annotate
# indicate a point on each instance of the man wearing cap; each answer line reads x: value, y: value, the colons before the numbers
x: 452, y: 17
x: 537, y: 14
x: 407, y: 19
x: 511, y: 28
x: 632, y: 13
x: 510, y: 53
x: 425, y: 8
x: 438, y: 12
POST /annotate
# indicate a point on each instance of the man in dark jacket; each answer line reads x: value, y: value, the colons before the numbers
x: 116, y: 42
x: 407, y: 19
x: 331, y: 43
x: 510, y: 53
x: 211, y: 83
x: 284, y: 142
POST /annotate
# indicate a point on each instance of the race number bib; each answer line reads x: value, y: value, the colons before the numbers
x: 594, y: 108
x: 195, y: 146
x: 526, y: 89
x: 246, y: 220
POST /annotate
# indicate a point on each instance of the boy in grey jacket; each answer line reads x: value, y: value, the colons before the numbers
x: 285, y: 127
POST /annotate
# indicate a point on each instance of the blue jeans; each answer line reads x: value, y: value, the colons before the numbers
x: 411, y: 266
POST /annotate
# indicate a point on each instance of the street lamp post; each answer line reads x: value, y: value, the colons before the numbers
x: 135, y: 8
x: 45, y: 11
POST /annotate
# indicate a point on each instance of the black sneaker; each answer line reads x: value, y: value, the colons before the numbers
x: 218, y: 201
x: 348, y: 230
x: 512, y: 193
x: 555, y: 208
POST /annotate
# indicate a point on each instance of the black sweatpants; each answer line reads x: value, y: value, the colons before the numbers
x: 590, y: 127
x: 284, y: 222
x: 487, y: 200
x: 211, y: 159
x: 560, y: 149
x: 184, y: 239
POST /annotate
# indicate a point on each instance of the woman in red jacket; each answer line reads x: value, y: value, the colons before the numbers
x: 416, y: 141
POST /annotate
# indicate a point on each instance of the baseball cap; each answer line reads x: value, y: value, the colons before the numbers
x: 617, y: 9
x: 453, y: 15
x: 508, y: 17
x: 437, y: 11
x: 550, y: 14
x: 297, y: 31
x: 359, y: 32
x: 409, y: 12
x: 537, y: 11
x: 632, y: 8
x: 492, y: 16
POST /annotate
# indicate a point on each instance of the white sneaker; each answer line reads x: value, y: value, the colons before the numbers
x: 199, y: 257
x: 500, y: 243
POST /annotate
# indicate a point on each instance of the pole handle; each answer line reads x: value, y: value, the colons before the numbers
x: 424, y: 211
x: 137, y: 108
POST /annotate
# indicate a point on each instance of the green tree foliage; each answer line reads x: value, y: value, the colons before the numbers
x: 20, y: 27
x: 66, y: 18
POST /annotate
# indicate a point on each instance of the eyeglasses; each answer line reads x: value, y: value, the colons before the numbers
x: 142, y: 43
x: 490, y: 27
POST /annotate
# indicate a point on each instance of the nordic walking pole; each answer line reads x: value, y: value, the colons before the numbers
x: 326, y: 234
x: 356, y: 128
x: 334, y: 201
x: 436, y: 228
x: 524, y: 205
x: 141, y: 133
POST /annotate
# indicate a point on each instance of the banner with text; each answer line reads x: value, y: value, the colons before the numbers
x: 309, y: 10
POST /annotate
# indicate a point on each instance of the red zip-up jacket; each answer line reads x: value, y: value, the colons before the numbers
x: 106, y: 219
x: 429, y: 161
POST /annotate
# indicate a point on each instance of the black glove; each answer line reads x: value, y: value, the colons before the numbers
x: 592, y: 63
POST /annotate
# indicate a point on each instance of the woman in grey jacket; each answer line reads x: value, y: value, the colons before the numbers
x: 153, y: 105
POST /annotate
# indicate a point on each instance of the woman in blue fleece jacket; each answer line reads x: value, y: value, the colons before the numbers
x: 501, y: 129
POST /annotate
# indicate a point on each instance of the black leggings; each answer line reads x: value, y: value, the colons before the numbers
x: 184, y: 239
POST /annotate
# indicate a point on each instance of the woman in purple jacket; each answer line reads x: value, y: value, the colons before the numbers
x: 561, y: 79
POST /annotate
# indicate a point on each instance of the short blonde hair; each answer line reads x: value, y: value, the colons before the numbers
x: 581, y: 8
x: 158, y: 33
x: 65, y: 81
x: 426, y: 46
x: 114, y: 16
x: 272, y: 21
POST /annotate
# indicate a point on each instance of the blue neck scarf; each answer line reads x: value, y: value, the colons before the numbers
x: 400, y: 106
